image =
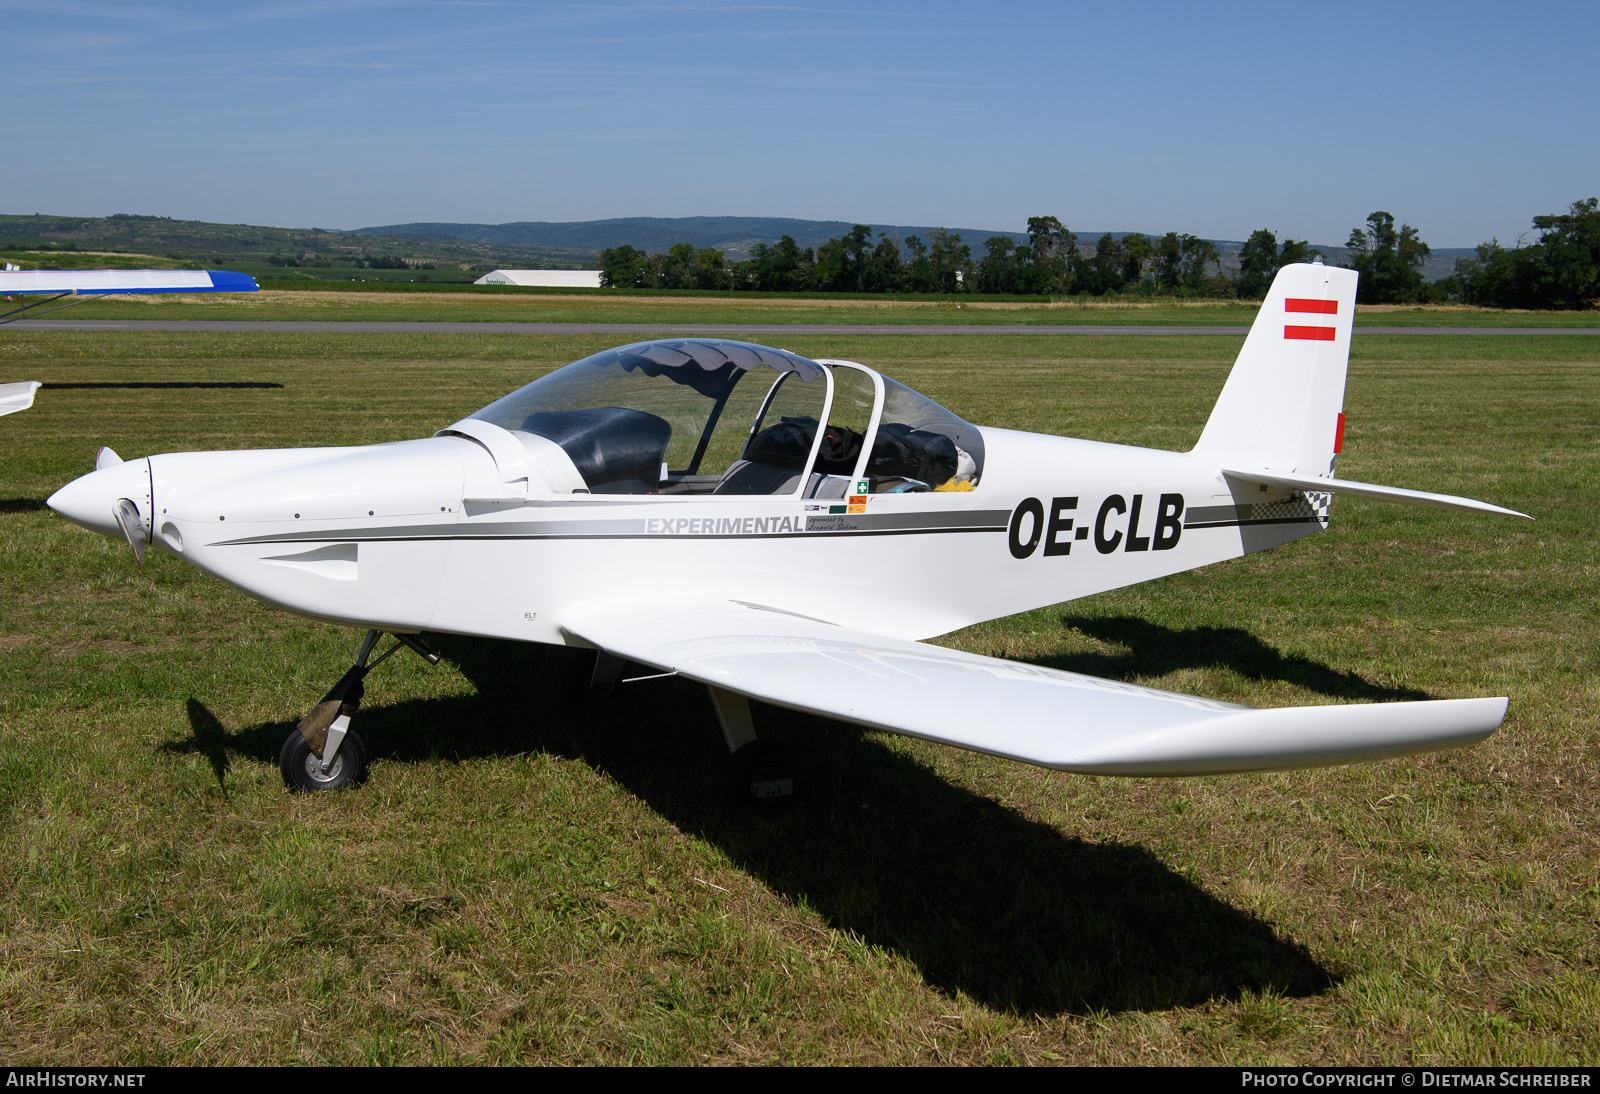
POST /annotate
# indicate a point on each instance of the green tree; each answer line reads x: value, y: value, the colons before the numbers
x: 709, y: 270
x: 620, y: 267
x: 841, y: 263
x: 1389, y: 261
x: 997, y: 270
x: 1103, y: 272
x: 1167, y: 261
x: 676, y: 270
x: 1052, y: 249
x: 936, y: 265
x: 1560, y: 270
x: 1136, y: 249
x: 777, y: 268
x: 1261, y: 258
x: 1258, y: 263
x: 1199, y: 256
x: 1569, y: 263
x: 883, y: 271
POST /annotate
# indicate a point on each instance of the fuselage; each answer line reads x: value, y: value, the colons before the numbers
x: 426, y: 535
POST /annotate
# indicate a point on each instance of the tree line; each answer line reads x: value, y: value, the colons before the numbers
x: 1051, y: 263
x: 1561, y: 270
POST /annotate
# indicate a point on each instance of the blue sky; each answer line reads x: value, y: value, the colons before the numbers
x: 1463, y: 119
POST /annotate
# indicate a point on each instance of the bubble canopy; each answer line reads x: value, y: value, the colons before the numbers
x: 709, y: 366
x: 681, y: 415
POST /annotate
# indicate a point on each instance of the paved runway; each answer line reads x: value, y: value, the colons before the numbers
x: 646, y: 330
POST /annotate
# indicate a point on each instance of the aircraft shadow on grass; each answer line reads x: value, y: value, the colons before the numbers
x: 159, y: 384
x: 21, y: 505
x: 1154, y: 650
x: 982, y: 899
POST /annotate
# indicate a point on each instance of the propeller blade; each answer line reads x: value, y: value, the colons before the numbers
x: 104, y: 458
x: 127, y: 515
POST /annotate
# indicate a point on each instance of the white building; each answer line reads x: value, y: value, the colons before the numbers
x: 563, y: 279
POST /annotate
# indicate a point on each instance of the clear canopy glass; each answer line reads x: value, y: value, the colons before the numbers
x: 718, y: 416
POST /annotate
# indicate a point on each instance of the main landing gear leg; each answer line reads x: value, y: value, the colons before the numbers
x: 324, y: 753
x: 757, y: 771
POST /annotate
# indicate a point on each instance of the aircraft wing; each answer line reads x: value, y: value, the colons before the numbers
x: 19, y: 396
x: 116, y: 282
x: 1041, y: 716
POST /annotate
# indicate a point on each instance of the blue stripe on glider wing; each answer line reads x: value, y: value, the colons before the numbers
x: 120, y: 282
x: 221, y: 281
x: 229, y: 281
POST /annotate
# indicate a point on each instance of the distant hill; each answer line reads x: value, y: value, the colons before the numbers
x: 317, y: 253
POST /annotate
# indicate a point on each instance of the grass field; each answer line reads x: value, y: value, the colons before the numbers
x: 527, y: 879
x: 501, y: 305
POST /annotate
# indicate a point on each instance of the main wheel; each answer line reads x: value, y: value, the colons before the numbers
x: 759, y: 773
x: 302, y: 769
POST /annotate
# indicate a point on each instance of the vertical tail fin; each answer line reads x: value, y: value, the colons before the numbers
x: 1280, y: 409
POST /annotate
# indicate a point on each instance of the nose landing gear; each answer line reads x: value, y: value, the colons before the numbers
x: 323, y: 753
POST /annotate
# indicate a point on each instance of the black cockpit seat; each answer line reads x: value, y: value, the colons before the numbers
x: 617, y: 451
x: 775, y: 457
x: 751, y: 477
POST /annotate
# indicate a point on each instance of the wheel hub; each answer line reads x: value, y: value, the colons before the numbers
x: 314, y: 768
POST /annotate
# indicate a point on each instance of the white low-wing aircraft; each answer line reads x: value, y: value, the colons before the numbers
x: 788, y: 530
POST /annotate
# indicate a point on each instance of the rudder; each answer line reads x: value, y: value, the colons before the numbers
x: 1281, y: 407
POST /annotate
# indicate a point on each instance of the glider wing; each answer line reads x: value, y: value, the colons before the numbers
x: 116, y: 282
x: 18, y: 396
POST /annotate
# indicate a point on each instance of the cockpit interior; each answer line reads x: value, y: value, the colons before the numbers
x: 710, y: 416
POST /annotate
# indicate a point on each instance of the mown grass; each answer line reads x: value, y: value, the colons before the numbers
x: 529, y: 879
x: 543, y: 306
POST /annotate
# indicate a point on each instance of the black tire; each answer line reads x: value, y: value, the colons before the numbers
x: 302, y: 771
x: 760, y: 774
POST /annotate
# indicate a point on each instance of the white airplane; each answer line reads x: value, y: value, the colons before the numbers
x: 80, y: 285
x: 675, y: 504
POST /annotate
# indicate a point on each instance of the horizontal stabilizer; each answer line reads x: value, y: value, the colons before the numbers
x: 115, y: 282
x: 1369, y: 490
x: 15, y: 397
x: 1055, y: 719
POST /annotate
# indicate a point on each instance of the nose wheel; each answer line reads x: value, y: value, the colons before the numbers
x: 324, y: 753
x: 302, y: 768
